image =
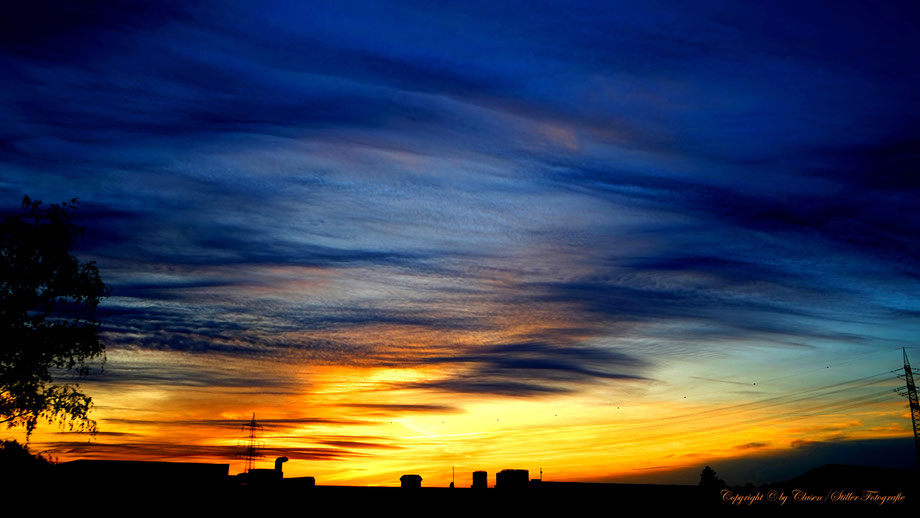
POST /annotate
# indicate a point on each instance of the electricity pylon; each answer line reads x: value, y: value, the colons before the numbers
x: 251, y: 450
x: 914, y: 403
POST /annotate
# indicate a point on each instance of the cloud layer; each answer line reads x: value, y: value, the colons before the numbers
x: 522, y: 200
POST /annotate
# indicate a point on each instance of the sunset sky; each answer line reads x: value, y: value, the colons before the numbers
x: 615, y: 241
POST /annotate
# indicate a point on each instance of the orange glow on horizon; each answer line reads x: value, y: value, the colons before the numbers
x: 360, y: 426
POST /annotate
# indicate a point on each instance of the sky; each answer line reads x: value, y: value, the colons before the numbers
x: 613, y: 240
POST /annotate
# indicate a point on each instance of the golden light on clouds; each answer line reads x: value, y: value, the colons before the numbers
x: 366, y: 425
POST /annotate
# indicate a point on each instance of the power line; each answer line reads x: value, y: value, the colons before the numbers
x: 764, y: 403
x: 792, y: 415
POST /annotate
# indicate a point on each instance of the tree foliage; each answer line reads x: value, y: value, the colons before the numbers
x: 47, y: 318
x: 21, y: 469
x: 16, y: 456
x: 709, y: 479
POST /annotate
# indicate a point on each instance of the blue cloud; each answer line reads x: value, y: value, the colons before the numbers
x: 711, y: 175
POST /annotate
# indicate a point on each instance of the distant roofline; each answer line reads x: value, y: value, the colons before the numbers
x: 140, y: 462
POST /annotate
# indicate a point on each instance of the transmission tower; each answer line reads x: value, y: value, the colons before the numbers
x: 914, y: 403
x: 251, y: 449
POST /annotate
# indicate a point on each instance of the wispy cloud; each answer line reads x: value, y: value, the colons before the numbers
x: 488, y: 201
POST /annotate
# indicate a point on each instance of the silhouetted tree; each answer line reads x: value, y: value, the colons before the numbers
x: 20, y: 469
x: 47, y: 307
x: 15, y: 455
x: 709, y: 480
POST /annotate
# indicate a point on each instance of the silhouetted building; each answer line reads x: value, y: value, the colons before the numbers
x: 512, y: 479
x: 410, y: 481
x: 264, y: 476
x: 122, y: 473
x: 300, y: 482
x: 480, y: 480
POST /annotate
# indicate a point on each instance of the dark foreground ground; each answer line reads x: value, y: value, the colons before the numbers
x: 547, y: 499
x: 128, y: 489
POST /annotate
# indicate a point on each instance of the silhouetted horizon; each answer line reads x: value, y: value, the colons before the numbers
x: 601, y: 241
